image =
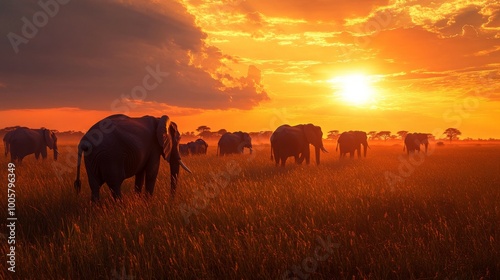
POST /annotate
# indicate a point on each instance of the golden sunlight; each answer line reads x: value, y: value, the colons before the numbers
x: 355, y: 89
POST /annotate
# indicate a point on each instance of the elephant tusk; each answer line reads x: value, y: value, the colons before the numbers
x: 184, y: 166
x: 324, y: 150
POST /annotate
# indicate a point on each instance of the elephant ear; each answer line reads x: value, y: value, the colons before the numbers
x: 163, y: 136
x: 48, y: 138
x: 310, y: 133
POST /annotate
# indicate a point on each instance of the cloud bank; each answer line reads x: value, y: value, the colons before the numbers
x: 88, y: 54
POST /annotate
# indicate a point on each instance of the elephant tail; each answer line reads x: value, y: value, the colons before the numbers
x: 78, y: 183
x: 272, y: 152
x: 217, y: 153
x: 337, y: 147
x: 404, y: 146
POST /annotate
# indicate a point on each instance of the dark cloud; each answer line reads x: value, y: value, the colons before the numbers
x: 92, y: 53
x: 464, y: 22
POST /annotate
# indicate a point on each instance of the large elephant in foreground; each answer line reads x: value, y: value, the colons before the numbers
x: 414, y: 140
x: 350, y: 142
x: 119, y: 147
x: 24, y: 141
x: 233, y: 143
x: 293, y: 141
x: 198, y: 147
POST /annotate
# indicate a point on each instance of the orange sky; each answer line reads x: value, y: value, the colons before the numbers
x: 254, y: 65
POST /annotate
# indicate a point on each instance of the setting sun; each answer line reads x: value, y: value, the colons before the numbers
x: 355, y: 89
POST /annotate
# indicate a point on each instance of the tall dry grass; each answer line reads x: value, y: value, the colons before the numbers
x: 440, y: 222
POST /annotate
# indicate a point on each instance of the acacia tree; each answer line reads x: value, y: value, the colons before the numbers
x: 202, y: 128
x: 384, y: 135
x: 372, y: 134
x: 452, y: 133
x: 221, y: 131
x: 402, y: 133
x: 333, y: 134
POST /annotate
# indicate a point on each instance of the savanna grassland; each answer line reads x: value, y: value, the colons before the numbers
x: 438, y: 219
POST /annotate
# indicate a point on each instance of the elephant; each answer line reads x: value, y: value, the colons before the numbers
x: 184, y: 149
x: 198, y: 147
x: 24, y: 141
x: 233, y: 143
x: 6, y: 141
x: 414, y: 140
x: 350, y: 142
x: 288, y: 141
x: 119, y: 147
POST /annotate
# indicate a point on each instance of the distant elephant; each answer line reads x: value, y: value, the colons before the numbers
x: 293, y: 141
x: 350, y: 142
x: 414, y: 140
x: 24, y: 141
x: 119, y: 147
x: 198, y: 147
x: 184, y: 149
x: 233, y: 143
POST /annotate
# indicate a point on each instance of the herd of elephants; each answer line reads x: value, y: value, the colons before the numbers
x: 119, y: 147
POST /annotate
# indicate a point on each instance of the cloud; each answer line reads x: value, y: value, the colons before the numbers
x: 469, y: 31
x: 92, y: 53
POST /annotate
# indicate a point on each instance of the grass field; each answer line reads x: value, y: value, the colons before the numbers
x: 239, y: 217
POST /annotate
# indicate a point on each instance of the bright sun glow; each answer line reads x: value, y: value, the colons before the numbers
x: 355, y: 89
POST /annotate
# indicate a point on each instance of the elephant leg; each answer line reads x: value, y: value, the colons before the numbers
x: 37, y: 155
x: 139, y: 181
x: 151, y: 172
x: 283, y: 161
x: 95, y: 186
x: 116, y: 191
x: 351, y: 154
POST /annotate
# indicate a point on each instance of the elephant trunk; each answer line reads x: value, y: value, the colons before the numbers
x: 56, y: 151
x: 316, y: 150
x: 175, y: 161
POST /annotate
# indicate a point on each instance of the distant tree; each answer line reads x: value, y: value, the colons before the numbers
x: 402, y: 133
x: 394, y: 137
x: 202, y: 128
x: 452, y: 133
x: 332, y: 135
x: 221, y: 131
x: 384, y: 135
x: 372, y: 134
